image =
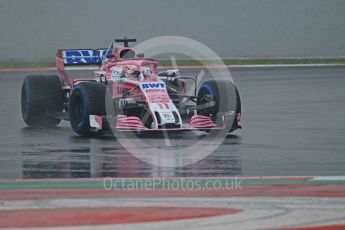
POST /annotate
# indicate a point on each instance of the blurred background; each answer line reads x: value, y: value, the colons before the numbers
x: 34, y: 29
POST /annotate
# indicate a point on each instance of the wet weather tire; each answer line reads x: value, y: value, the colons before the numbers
x: 87, y: 98
x: 235, y: 124
x: 41, y: 99
x: 216, y: 97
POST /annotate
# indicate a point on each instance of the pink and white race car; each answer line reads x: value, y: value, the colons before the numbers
x: 127, y: 93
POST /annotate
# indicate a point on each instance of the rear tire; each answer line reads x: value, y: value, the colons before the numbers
x: 87, y: 98
x: 41, y: 99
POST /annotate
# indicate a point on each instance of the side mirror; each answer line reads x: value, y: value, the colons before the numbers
x: 140, y: 55
x: 110, y: 56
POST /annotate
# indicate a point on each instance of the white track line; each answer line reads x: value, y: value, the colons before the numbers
x: 329, y: 178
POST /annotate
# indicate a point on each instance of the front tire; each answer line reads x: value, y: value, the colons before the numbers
x: 216, y: 97
x: 41, y: 99
x: 87, y: 98
x: 235, y: 124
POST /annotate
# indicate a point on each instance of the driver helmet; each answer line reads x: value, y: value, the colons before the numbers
x: 131, y: 71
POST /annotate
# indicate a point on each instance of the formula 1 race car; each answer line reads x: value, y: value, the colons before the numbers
x: 127, y: 93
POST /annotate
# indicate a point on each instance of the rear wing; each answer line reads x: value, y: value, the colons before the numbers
x: 80, y: 59
x: 77, y: 57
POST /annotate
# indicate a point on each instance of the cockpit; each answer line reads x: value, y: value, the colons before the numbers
x: 133, y: 72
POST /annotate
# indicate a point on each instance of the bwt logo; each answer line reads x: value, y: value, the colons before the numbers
x: 84, y: 56
x: 153, y: 85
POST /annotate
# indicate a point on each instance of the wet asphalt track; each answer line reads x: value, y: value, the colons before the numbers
x: 293, y: 124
